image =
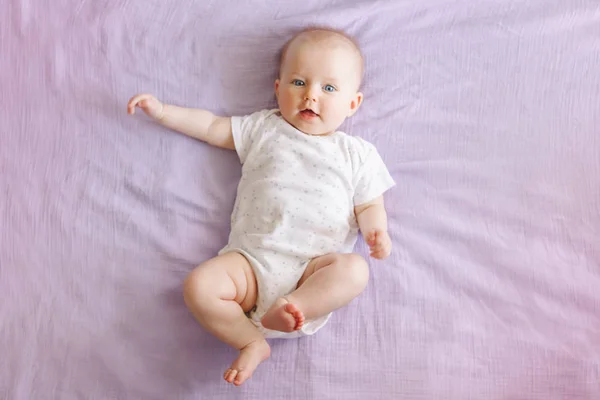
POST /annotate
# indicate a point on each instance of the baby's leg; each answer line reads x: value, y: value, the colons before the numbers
x: 218, y: 292
x: 329, y: 282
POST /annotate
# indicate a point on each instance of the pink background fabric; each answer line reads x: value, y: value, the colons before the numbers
x: 487, y: 114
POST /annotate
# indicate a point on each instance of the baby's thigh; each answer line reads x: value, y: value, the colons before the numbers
x: 228, y: 276
x: 348, y: 264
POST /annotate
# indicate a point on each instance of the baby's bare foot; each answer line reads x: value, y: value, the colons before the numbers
x: 283, y: 316
x: 249, y: 358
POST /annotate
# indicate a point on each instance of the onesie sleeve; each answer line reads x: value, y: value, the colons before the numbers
x: 246, y: 130
x: 372, y: 178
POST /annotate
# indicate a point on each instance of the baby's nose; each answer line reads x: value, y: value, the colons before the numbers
x: 311, y: 94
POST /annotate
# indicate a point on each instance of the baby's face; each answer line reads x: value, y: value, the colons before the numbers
x: 318, y: 85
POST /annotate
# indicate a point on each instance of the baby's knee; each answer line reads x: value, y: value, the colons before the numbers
x: 199, y: 287
x: 357, y: 270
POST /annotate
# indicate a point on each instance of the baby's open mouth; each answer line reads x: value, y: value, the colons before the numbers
x: 308, y: 113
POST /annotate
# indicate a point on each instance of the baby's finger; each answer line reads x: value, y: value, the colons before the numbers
x: 130, y: 107
x: 383, y: 250
x: 132, y: 104
x: 369, y: 239
x: 377, y: 255
x: 380, y: 255
x: 135, y: 100
x: 376, y: 247
x: 381, y: 241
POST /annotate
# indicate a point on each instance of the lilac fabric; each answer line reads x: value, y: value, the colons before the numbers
x: 487, y: 114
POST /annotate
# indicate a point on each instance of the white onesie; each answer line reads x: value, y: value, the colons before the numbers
x: 295, y: 202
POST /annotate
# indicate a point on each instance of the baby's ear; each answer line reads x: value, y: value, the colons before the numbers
x: 277, y: 87
x: 355, y: 103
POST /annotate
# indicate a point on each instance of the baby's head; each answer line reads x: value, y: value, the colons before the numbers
x: 320, y: 74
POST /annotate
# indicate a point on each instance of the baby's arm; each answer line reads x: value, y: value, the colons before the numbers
x: 199, y: 124
x: 372, y: 220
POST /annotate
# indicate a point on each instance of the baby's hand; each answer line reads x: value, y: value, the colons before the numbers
x: 150, y: 104
x: 380, y: 244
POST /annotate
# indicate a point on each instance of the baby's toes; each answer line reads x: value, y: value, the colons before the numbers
x: 232, y: 375
x: 298, y: 315
x: 241, y: 378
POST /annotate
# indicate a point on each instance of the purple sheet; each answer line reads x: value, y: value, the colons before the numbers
x: 487, y: 114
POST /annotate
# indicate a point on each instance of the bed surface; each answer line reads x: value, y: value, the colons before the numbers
x: 486, y: 113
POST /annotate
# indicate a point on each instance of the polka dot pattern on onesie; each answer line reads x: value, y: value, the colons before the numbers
x: 296, y: 199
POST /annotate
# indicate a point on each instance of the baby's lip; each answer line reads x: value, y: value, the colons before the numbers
x: 310, y: 111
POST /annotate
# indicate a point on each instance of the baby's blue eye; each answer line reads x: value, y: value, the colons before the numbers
x: 297, y: 82
x: 329, y: 88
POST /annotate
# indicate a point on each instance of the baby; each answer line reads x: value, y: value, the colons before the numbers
x: 305, y: 191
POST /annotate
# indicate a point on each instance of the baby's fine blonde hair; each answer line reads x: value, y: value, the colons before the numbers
x: 324, y: 32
